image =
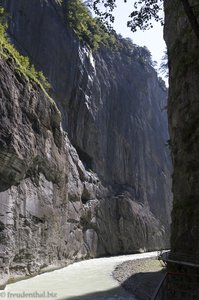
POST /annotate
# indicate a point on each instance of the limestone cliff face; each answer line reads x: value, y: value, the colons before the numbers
x: 108, y: 195
x: 43, y: 220
x: 113, y: 107
x: 39, y: 173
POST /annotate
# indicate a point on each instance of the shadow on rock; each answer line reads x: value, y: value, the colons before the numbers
x: 143, y: 284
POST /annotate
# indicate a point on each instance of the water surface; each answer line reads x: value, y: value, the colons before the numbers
x: 85, y: 280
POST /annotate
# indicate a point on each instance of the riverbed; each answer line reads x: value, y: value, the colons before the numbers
x: 85, y: 280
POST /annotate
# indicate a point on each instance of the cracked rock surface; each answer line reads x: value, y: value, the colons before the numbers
x: 102, y: 188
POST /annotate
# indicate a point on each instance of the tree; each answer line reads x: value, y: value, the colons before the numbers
x: 141, y: 16
x: 143, y: 13
x: 163, y: 69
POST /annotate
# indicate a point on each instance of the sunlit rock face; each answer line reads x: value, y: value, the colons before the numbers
x: 104, y: 187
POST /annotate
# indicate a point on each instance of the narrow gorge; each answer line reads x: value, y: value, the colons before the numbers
x: 85, y: 169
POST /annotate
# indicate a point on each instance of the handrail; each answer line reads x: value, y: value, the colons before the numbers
x: 179, y: 258
x: 194, y: 259
x: 170, y: 277
x: 165, y: 288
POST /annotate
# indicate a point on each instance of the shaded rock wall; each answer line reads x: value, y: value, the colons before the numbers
x: 43, y: 183
x: 37, y: 218
x: 56, y: 208
x: 183, y: 107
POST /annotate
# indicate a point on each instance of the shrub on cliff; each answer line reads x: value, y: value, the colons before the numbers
x: 22, y: 63
x: 95, y: 33
x: 88, y: 29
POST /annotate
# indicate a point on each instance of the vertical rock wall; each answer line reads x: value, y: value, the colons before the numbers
x: 183, y: 49
x: 183, y: 109
x: 56, y: 208
x: 113, y: 106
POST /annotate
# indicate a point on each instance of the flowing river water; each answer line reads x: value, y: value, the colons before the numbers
x: 86, y: 280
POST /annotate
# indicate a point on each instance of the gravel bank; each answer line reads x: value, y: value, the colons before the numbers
x: 140, y: 277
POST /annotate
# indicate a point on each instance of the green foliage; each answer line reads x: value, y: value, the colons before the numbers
x: 88, y: 29
x: 143, y: 12
x: 95, y: 33
x: 22, y: 63
x: 2, y: 15
x: 163, y: 69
